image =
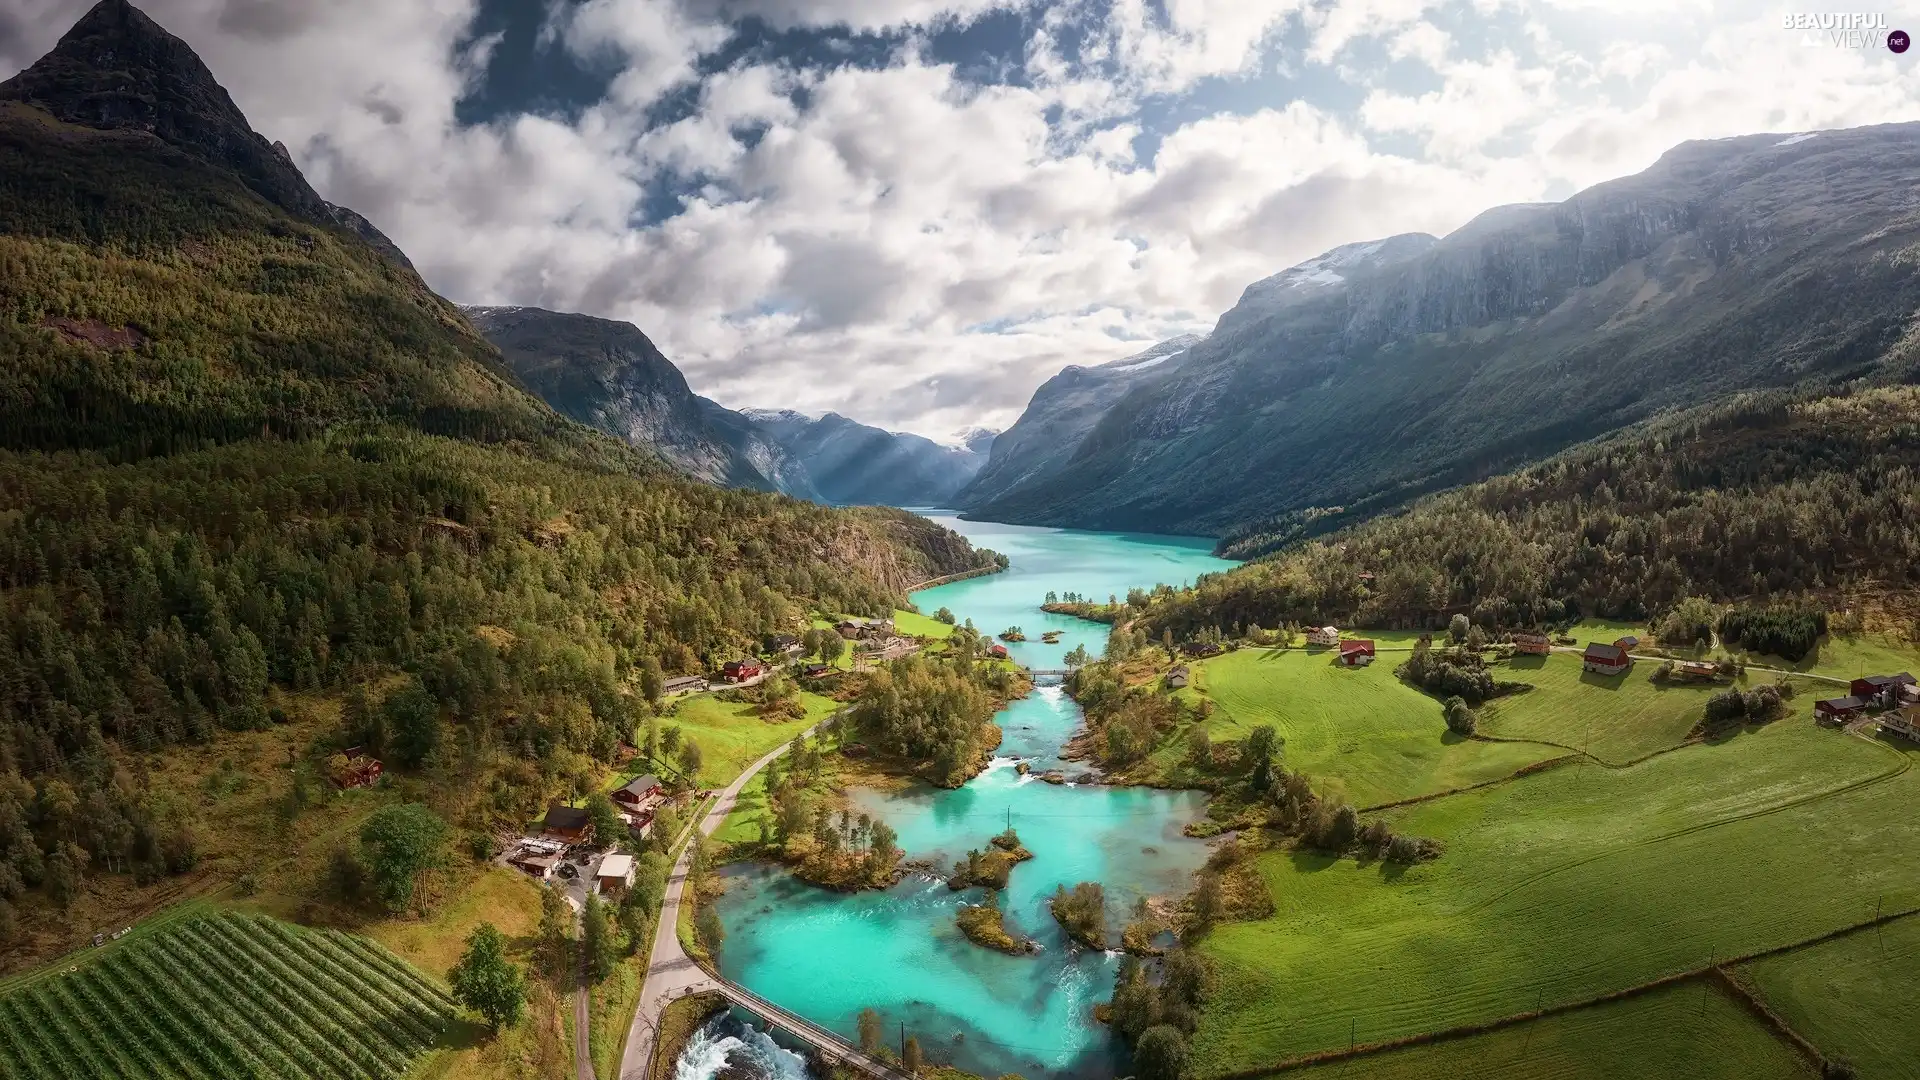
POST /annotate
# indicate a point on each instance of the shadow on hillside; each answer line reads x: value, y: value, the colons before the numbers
x: 1307, y: 860
x: 1526, y: 662
x: 1606, y: 682
x: 464, y: 1034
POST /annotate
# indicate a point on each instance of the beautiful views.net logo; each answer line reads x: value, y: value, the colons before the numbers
x: 1845, y: 30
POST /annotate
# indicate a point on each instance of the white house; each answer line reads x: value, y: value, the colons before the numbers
x: 1323, y: 635
x: 615, y: 875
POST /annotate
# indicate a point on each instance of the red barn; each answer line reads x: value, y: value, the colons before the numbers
x: 1837, y: 710
x: 998, y: 652
x: 1356, y: 652
x: 741, y: 670
x: 1605, y: 659
x: 1880, y: 689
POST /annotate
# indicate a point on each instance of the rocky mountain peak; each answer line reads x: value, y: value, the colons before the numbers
x: 117, y: 69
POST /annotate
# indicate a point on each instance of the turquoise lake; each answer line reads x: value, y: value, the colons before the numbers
x: 827, y: 956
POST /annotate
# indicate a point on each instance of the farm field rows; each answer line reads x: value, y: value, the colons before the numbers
x: 1853, y: 997
x: 1565, y: 885
x: 1362, y: 734
x: 215, y: 997
x: 1693, y: 1029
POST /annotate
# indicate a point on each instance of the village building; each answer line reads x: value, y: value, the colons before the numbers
x: 361, y: 769
x: 1838, y: 710
x: 1200, y: 648
x: 781, y: 645
x: 1628, y: 641
x: 864, y: 628
x: 615, y: 875
x: 640, y: 792
x: 684, y: 684
x: 1532, y: 644
x: 1177, y: 678
x: 998, y: 652
x: 1356, y: 652
x: 1881, y: 690
x: 1605, y: 659
x: 569, y: 823
x: 1697, y: 669
x: 1323, y: 635
x: 741, y: 670
x: 1903, y: 722
x: 816, y: 671
x: 534, y: 863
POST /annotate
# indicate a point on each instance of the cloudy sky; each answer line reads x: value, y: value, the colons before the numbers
x: 914, y: 211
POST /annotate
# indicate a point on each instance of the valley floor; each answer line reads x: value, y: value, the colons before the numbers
x: 1620, y: 867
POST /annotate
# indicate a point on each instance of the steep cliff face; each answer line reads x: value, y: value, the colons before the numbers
x: 1063, y: 410
x: 608, y: 375
x: 849, y: 463
x: 1728, y: 265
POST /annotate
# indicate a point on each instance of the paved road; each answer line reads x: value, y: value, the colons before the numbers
x: 671, y: 973
x: 582, y: 1045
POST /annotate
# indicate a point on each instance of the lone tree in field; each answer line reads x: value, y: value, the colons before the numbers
x: 1460, y: 718
x: 401, y: 842
x: 1457, y: 628
x: 486, y: 981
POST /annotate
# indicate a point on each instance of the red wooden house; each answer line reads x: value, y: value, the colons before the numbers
x: 741, y: 670
x: 1881, y: 690
x: 1356, y: 652
x: 1532, y: 644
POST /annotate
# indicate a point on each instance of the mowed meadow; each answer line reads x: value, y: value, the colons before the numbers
x: 1568, y: 877
x: 214, y: 996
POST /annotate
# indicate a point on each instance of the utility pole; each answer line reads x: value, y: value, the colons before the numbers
x: 903, y: 1043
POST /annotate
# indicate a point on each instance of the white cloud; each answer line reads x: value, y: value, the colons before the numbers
x: 852, y: 231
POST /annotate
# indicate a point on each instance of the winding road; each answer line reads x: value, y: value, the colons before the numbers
x: 671, y: 973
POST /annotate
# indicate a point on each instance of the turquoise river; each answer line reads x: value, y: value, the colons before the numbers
x: 827, y: 956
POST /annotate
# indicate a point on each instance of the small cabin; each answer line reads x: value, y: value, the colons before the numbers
x: 640, y: 791
x: 1838, y: 710
x: 684, y: 684
x: 1200, y: 648
x: 1323, y: 635
x: 817, y: 671
x: 998, y: 652
x: 1628, y: 641
x: 1882, y: 690
x: 1356, y: 652
x: 1532, y: 644
x: 1605, y: 659
x: 781, y: 645
x: 1177, y: 678
x: 539, y: 866
x: 741, y: 670
x: 569, y: 823
x: 1697, y: 669
x: 615, y: 875
x: 361, y: 769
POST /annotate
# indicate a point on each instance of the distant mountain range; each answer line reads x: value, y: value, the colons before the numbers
x: 1377, y: 372
x: 609, y: 375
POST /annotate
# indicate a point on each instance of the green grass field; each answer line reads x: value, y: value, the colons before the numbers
x: 1846, y: 657
x: 1564, y: 885
x: 213, y: 997
x: 1362, y: 734
x: 1853, y: 997
x: 1615, y: 718
x: 1693, y: 1030
x: 732, y: 736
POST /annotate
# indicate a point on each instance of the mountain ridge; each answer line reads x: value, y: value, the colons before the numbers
x: 1729, y: 265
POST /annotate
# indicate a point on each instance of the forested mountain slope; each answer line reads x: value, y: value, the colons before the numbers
x: 247, y: 456
x: 1743, y: 263
x: 1767, y: 497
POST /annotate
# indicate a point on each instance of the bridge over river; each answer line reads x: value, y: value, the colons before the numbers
x: 672, y: 974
